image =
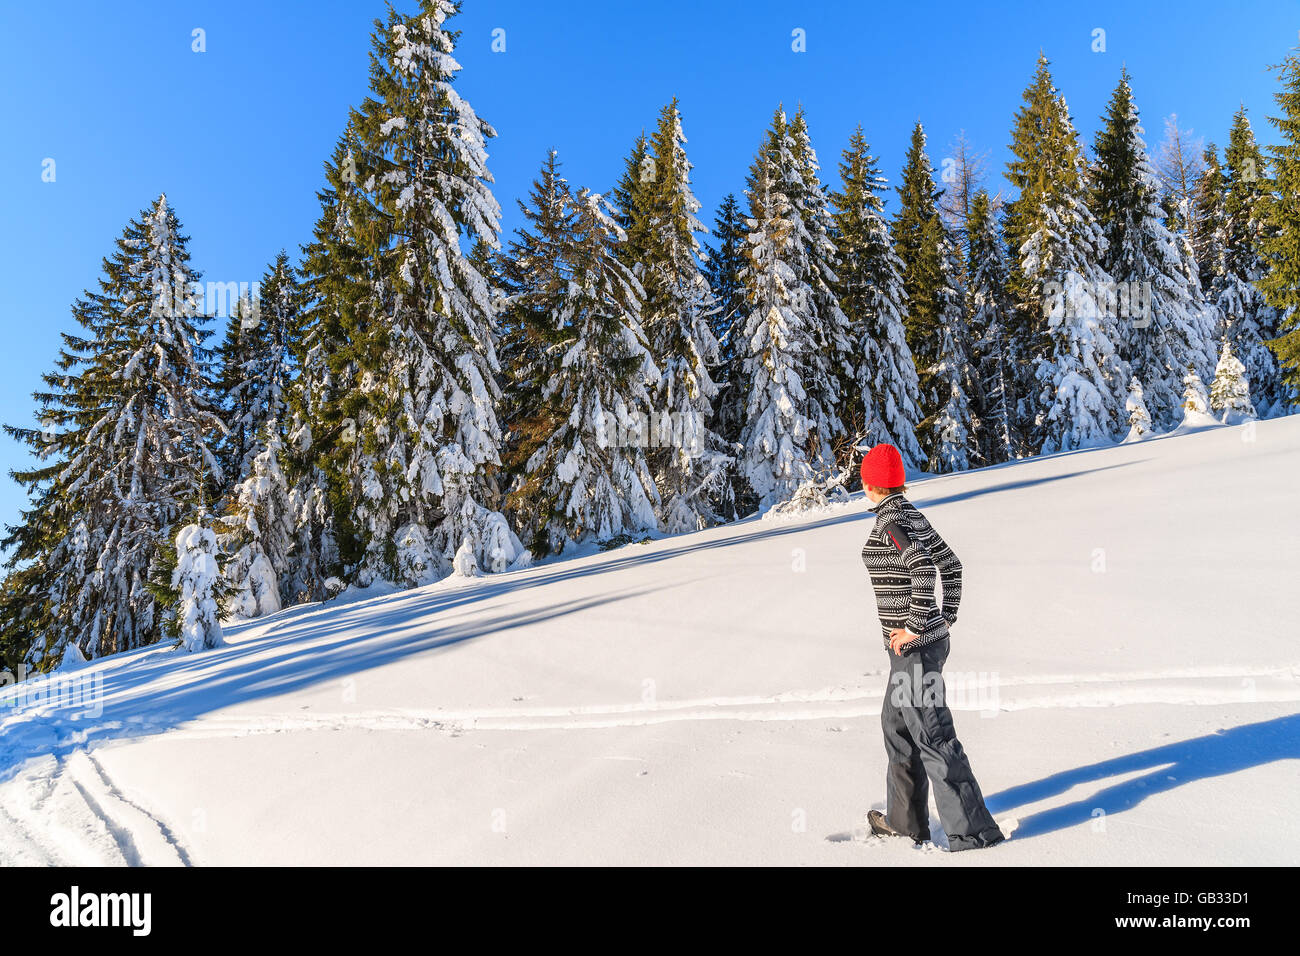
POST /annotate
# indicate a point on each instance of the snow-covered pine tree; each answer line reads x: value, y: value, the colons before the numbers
x: 1280, y: 244
x: 1208, y: 217
x: 1249, y: 319
x: 344, y: 405
x: 196, y: 580
x: 626, y: 198
x: 778, y: 437
x: 1057, y: 280
x: 1230, y: 390
x: 126, y: 445
x: 831, y: 365
x: 26, y: 608
x: 936, y: 320
x: 259, y: 532
x: 1081, y: 370
x: 916, y: 242
x: 1139, y: 418
x: 329, y: 348
x: 995, y: 358
x: 268, y: 324
x: 1195, y: 398
x: 258, y: 528
x: 231, y: 354
x: 954, y: 427
x: 1162, y: 316
x: 884, y: 404
x: 1207, y: 324
x: 427, y: 444
x: 536, y: 279
x: 688, y: 459
x: 724, y: 260
x: 588, y: 478
x: 21, y: 605
x: 1031, y: 171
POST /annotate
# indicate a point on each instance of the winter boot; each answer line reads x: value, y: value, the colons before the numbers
x: 880, y: 827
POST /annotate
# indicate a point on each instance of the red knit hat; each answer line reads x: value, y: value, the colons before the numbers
x: 882, y: 467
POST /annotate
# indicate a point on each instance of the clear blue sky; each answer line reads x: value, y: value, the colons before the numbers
x: 236, y: 135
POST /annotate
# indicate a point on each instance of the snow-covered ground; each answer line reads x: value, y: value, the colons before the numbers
x: 1127, y: 659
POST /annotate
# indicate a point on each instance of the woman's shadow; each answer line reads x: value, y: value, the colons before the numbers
x: 1216, y: 754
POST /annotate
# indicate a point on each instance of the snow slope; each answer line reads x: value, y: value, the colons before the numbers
x: 1126, y: 650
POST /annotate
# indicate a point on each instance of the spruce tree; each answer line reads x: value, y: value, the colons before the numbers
x: 517, y: 352
x: 1280, y: 244
x: 259, y: 529
x: 953, y: 426
x: 1195, y: 397
x: 588, y: 477
x: 1139, y: 418
x: 687, y: 457
x: 329, y: 348
x: 916, y: 242
x: 126, y: 450
x: 992, y: 345
x: 1250, y: 321
x: 724, y: 260
x: 536, y: 275
x: 259, y: 532
x: 258, y: 382
x: 422, y: 468
x: 26, y: 611
x: 627, y: 197
x: 831, y: 365
x: 1162, y: 316
x: 779, y: 435
x: 883, y: 406
x: 1075, y: 395
x: 1230, y: 390
x: 228, y: 394
x: 23, y: 613
x: 196, y: 581
x: 1208, y: 218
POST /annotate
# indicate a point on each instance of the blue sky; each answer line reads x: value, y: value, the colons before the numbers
x: 236, y: 135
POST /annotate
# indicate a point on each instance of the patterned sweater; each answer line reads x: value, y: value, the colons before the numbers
x: 904, y: 554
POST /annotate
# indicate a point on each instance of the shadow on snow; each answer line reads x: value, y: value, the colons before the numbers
x: 1169, y: 766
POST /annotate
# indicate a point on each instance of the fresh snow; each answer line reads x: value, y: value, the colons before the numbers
x: 713, y: 697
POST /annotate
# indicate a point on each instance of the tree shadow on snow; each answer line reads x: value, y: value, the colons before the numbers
x: 922, y: 501
x: 1172, y: 765
x: 300, y: 647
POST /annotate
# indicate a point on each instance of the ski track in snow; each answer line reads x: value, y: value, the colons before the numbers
x: 1213, y: 686
x: 1192, y: 687
x: 70, y: 813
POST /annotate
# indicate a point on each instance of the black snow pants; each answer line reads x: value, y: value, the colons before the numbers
x: 921, y: 742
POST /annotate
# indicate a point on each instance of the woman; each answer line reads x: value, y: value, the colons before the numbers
x: 904, y: 555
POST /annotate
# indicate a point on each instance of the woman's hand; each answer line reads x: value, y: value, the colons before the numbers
x: 898, y: 637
